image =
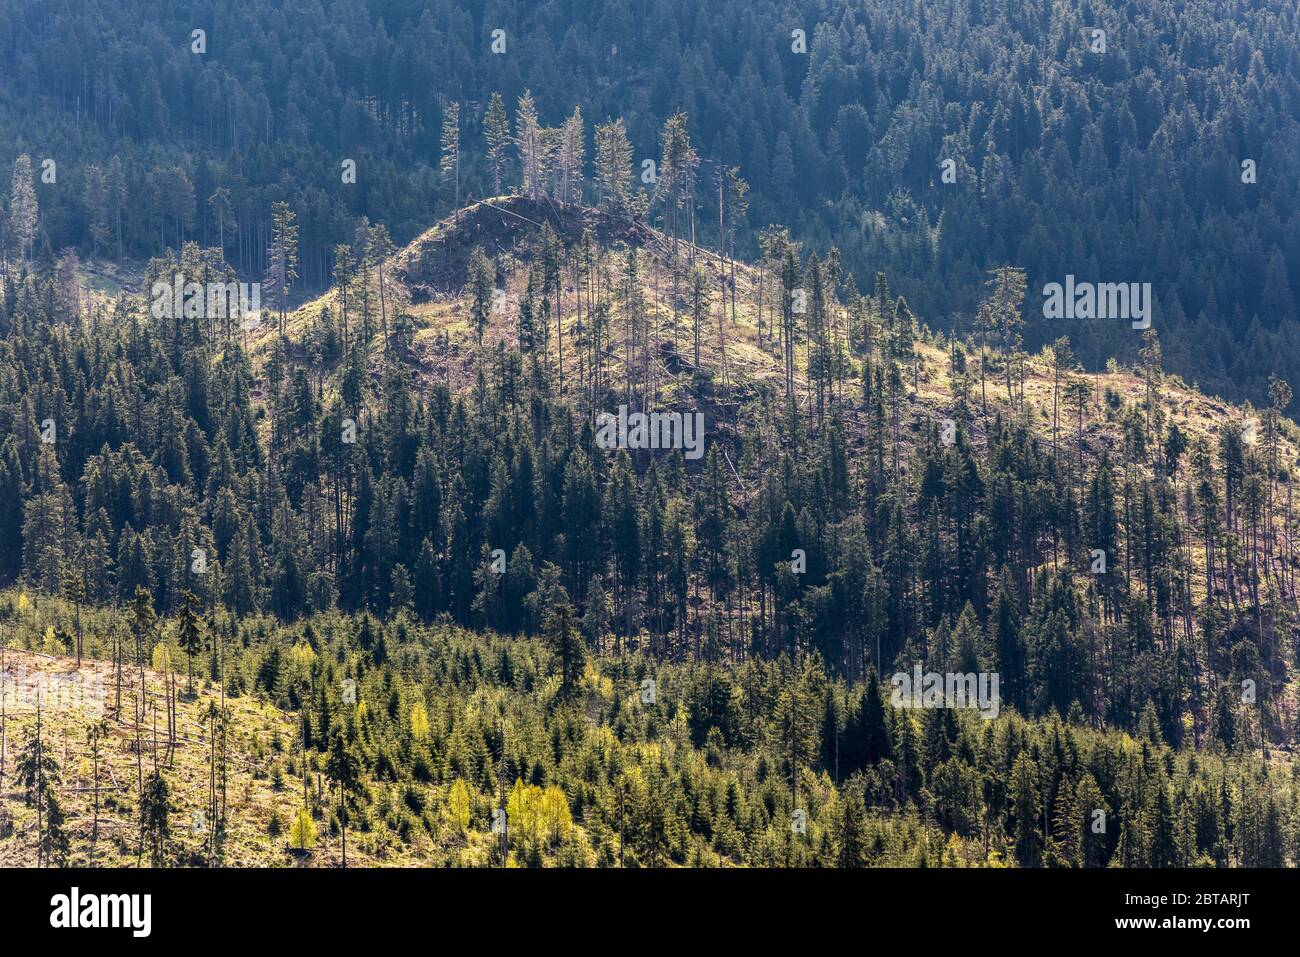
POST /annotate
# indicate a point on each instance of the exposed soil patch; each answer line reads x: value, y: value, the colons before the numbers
x: 437, y: 263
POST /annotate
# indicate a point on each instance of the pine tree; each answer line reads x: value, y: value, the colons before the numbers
x: 1163, y: 837
x: 597, y: 615
x: 343, y: 771
x: 449, y: 166
x: 24, y: 211
x: 1026, y: 803
x: 1008, y: 643
x: 528, y: 142
x: 1000, y: 316
x: 379, y: 246
x: 155, y: 807
x: 37, y: 773
x: 572, y: 158
x: 496, y: 130
x: 869, y: 735
x: 675, y: 183
x: 560, y: 631
x: 1063, y: 366
x: 97, y: 208
x: 190, y: 633
x: 613, y: 167
x: 1088, y: 802
x: 344, y: 274
x: 74, y: 589
x: 699, y: 306
x: 482, y: 281
x: 223, y: 211
x: 1066, y: 828
x: 282, y: 257
x: 54, y: 841
x: 853, y: 837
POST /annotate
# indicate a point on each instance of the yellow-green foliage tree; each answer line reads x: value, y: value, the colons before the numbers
x: 458, y: 804
x: 536, y: 814
x: 302, y: 835
x: 419, y: 720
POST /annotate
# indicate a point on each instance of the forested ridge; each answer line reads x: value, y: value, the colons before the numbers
x: 368, y: 576
x: 1117, y: 165
x: 201, y: 495
x: 444, y: 726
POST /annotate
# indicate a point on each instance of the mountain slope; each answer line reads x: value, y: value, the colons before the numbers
x: 740, y: 348
x: 433, y: 519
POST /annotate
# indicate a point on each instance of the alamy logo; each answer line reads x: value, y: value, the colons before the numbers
x: 21, y: 690
x: 1104, y: 300
x: 934, y: 690
x: 655, y: 430
x: 103, y: 910
x: 207, y: 300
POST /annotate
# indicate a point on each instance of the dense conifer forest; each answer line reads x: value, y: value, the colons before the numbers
x: 383, y: 570
x: 1120, y: 164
